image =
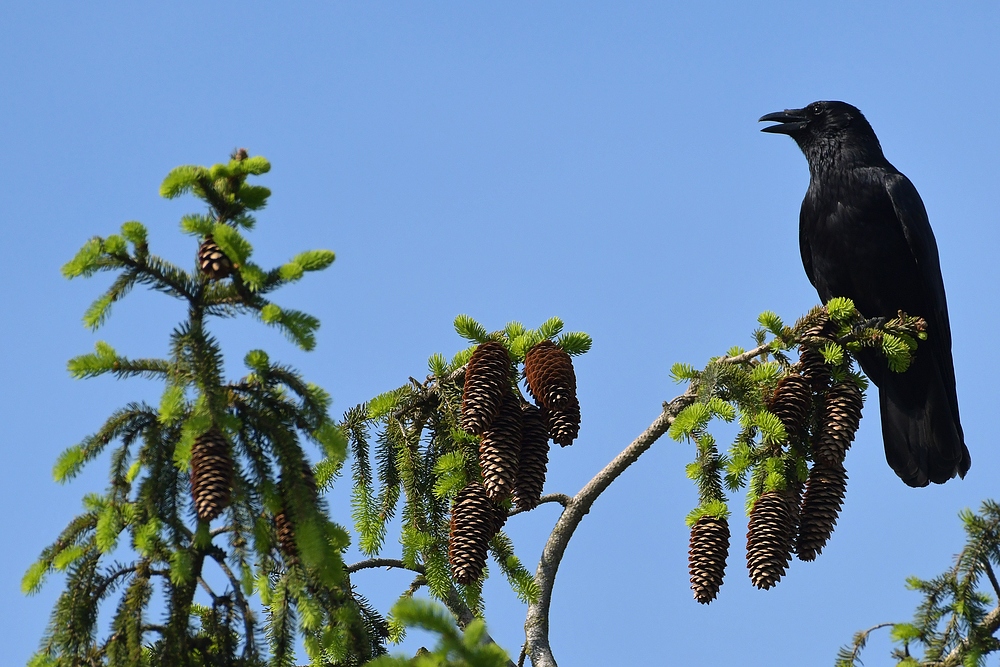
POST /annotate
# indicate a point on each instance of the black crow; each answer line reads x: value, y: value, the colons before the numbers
x: 864, y: 234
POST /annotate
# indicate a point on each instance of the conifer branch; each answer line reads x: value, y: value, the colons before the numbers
x: 154, y: 273
x: 536, y: 625
x: 219, y: 557
x: 453, y: 600
x: 956, y: 657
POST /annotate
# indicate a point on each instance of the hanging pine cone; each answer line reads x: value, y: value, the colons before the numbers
x: 282, y: 521
x: 533, y: 458
x: 812, y: 365
x: 814, y: 369
x: 821, y: 505
x: 211, y: 474
x: 500, y: 448
x: 286, y: 536
x: 549, y: 372
x: 487, y: 381
x: 212, y: 261
x: 564, y: 424
x: 790, y: 403
x: 839, y: 422
x: 474, y: 521
x: 770, y: 535
x: 707, y: 553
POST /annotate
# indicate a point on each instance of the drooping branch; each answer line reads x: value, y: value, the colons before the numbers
x: 456, y: 605
x: 536, y: 625
x: 956, y: 657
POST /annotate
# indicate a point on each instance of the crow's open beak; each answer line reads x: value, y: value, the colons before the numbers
x: 791, y: 121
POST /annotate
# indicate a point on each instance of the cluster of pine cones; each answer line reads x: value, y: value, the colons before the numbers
x: 514, y: 445
x: 795, y: 520
x: 212, y: 486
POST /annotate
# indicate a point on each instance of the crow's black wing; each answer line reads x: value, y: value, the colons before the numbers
x: 912, y: 217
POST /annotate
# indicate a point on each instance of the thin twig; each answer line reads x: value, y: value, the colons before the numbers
x: 745, y: 356
x: 208, y: 589
x: 560, y: 498
x: 858, y: 645
x: 219, y: 557
x: 456, y: 605
x: 383, y: 562
x: 993, y: 577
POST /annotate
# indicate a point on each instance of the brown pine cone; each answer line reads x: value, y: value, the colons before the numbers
x: 564, y: 424
x: 212, y: 261
x: 821, y: 505
x: 533, y: 458
x: 286, y: 536
x: 211, y: 474
x: 549, y: 372
x: 487, y: 381
x: 814, y: 369
x: 812, y: 365
x: 283, y: 525
x: 770, y: 535
x: 707, y: 553
x: 474, y: 521
x: 500, y: 448
x: 839, y: 422
x: 790, y: 403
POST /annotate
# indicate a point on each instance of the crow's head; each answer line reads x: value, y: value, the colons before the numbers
x: 825, y: 125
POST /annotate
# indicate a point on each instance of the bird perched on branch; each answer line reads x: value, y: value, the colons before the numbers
x: 864, y: 234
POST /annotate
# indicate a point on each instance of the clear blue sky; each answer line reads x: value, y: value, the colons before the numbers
x: 597, y: 162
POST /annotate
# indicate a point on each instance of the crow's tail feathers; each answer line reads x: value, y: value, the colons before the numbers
x: 921, y: 431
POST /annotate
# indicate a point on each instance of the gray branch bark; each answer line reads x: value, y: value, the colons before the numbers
x: 536, y: 625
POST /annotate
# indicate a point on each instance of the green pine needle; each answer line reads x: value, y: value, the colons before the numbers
x: 550, y: 328
x: 683, y: 372
x: 470, y: 329
x: 770, y: 321
x: 841, y: 310
x: 575, y: 343
x: 314, y: 260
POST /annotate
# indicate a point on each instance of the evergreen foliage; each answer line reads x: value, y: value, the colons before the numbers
x: 772, y: 398
x: 468, y: 649
x: 959, y: 615
x: 411, y: 458
x: 139, y: 545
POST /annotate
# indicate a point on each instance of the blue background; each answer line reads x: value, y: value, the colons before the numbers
x: 599, y: 162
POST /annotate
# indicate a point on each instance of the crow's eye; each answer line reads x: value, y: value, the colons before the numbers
x: 815, y: 109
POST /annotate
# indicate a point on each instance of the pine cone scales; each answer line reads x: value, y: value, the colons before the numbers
x: 211, y: 474
x: 474, y: 521
x: 286, y: 536
x: 707, y: 553
x: 499, y: 450
x: 212, y: 261
x: 791, y: 402
x: 839, y: 422
x: 283, y: 526
x: 770, y: 535
x: 549, y: 372
x: 564, y: 424
x: 487, y: 381
x: 821, y: 505
x: 533, y: 458
x: 814, y: 369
